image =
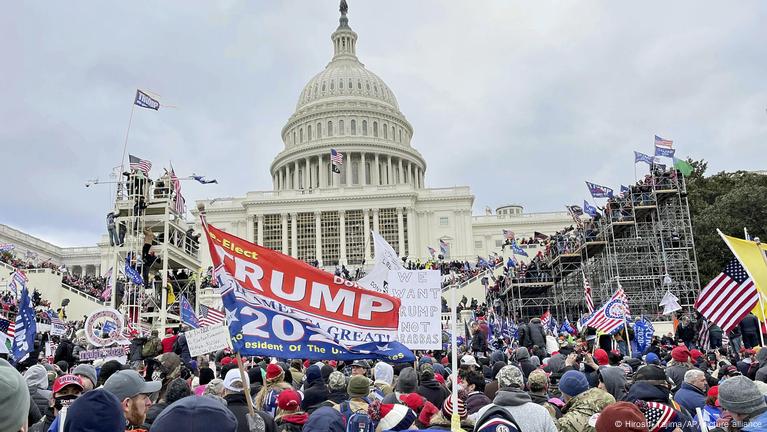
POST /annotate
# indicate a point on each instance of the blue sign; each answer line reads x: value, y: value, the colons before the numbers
x: 26, y: 327
x: 643, y: 332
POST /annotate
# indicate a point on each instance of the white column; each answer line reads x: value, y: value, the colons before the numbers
x: 363, y: 169
x: 400, y: 173
x: 375, y: 221
x: 389, y: 171
x: 342, y: 230
x: 348, y: 165
x: 318, y: 236
x: 323, y: 182
x: 376, y: 172
x: 412, y: 249
x: 293, y: 235
x: 250, y: 235
x: 422, y: 179
x: 295, y: 174
x: 366, y: 230
x: 284, y: 217
x: 307, y: 175
x: 260, y: 230
x: 400, y: 232
x: 288, y: 177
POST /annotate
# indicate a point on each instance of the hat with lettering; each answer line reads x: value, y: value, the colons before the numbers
x: 128, y: 383
x: 67, y: 380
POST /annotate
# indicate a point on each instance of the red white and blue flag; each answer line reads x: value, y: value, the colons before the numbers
x: 729, y: 297
x: 508, y: 234
x: 587, y: 294
x: 210, y: 316
x: 612, y: 315
x: 662, y: 142
x: 136, y: 163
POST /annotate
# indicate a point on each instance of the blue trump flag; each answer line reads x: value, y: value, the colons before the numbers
x: 589, y: 209
x: 258, y: 328
x: 643, y: 332
x: 188, y: 316
x: 516, y: 250
x: 132, y: 273
x: 625, y: 189
x: 665, y: 152
x: 26, y: 327
x: 599, y: 191
x: 641, y: 157
x: 567, y: 327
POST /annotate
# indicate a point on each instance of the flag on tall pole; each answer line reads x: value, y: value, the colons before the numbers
x: 145, y: 101
x: 752, y: 257
x: 136, y: 163
x: 611, y: 316
x: 188, y: 316
x: 662, y: 142
x: 729, y: 297
x: 210, y: 316
x: 641, y: 157
x: 336, y: 159
x: 26, y: 327
x: 587, y: 294
x: 179, y: 201
x: 432, y: 251
x: 444, y: 248
x: 508, y: 234
x: 6, y: 247
x: 599, y: 191
x: 704, y: 337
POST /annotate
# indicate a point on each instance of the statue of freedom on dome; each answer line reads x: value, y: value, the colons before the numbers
x: 344, y: 7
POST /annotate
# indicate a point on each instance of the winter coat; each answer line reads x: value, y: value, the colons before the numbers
x: 537, y: 333
x: 152, y: 347
x: 338, y: 396
x: 64, y: 352
x: 651, y: 393
x: 578, y: 410
x: 750, y: 325
x: 291, y: 422
x: 491, y: 389
x: 528, y: 415
x: 37, y: 382
x: 675, y: 371
x: 757, y: 423
x: 614, y: 379
x: 761, y: 374
x: 238, y: 405
x: 315, y: 390
x: 543, y: 400
x: 44, y: 424
x: 478, y: 342
x: 168, y: 342
x: 475, y: 401
x: 523, y: 358
x: 298, y: 377
x: 433, y: 391
x: 690, y: 397
x: 182, y: 349
x: 134, y: 353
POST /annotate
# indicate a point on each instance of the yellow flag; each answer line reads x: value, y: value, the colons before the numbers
x: 752, y: 257
x: 171, y: 295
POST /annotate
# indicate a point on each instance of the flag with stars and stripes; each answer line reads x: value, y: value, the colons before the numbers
x: 587, y: 294
x: 612, y: 315
x: 704, y: 337
x: 7, y: 328
x: 662, y: 142
x: 336, y: 160
x: 179, y: 201
x: 210, y: 316
x: 136, y: 163
x: 729, y: 297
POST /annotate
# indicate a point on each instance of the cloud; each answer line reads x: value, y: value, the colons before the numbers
x: 520, y: 100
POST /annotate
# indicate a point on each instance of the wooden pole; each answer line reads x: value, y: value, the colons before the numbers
x: 245, y: 387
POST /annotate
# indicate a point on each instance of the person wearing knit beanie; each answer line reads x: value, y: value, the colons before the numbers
x: 740, y: 396
x: 447, y: 408
x: 392, y: 417
x: 573, y: 383
x: 274, y: 383
x: 358, y: 387
x: 680, y: 354
x: 621, y: 416
x: 601, y: 357
x: 14, y: 399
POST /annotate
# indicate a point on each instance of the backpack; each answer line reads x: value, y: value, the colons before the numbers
x: 496, y: 419
x: 151, y: 348
x: 358, y: 421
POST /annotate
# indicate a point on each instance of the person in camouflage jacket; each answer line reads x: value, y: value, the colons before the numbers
x: 581, y: 402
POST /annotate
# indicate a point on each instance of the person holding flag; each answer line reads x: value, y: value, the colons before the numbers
x: 26, y: 327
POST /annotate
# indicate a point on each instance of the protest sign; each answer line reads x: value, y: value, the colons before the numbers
x: 420, y: 293
x: 344, y: 309
x: 208, y: 339
x: 117, y: 352
x: 104, y: 327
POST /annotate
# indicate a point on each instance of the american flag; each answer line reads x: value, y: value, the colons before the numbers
x: 508, y: 234
x: 611, y: 315
x: 180, y: 201
x: 210, y: 316
x: 546, y: 319
x: 704, y: 340
x: 336, y: 158
x: 8, y: 327
x: 136, y: 163
x: 659, y: 416
x: 587, y: 294
x: 54, y: 317
x: 729, y: 297
x: 443, y: 247
x: 661, y: 142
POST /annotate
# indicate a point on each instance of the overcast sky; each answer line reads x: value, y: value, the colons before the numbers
x: 521, y: 100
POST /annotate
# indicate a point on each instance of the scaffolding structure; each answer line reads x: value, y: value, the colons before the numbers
x: 154, y: 240
x: 642, y: 242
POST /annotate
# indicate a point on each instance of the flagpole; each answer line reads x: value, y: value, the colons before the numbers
x: 628, y: 338
x: 759, y: 291
x: 127, y: 134
x: 455, y: 421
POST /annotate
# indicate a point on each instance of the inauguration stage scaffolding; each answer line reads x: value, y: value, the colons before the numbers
x: 642, y: 241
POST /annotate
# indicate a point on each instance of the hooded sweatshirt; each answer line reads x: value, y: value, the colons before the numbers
x: 315, y: 390
x: 523, y: 357
x: 528, y: 415
x: 433, y: 391
x: 384, y: 375
x: 37, y: 381
x: 761, y: 374
x: 615, y: 381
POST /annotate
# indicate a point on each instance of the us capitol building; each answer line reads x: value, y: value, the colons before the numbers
x: 313, y: 213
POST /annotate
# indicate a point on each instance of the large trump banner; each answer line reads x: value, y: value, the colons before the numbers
x: 281, y: 306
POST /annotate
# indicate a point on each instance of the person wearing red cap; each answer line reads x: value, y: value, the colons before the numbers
x: 712, y: 411
x: 66, y: 389
x: 679, y: 364
x: 274, y: 383
x: 290, y: 417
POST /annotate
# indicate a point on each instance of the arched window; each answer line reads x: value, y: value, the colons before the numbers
x: 375, y: 88
x: 365, y: 127
x: 323, y: 86
x: 359, y: 85
x: 350, y: 83
x: 354, y: 127
x: 400, y: 135
x: 340, y: 84
x: 301, y: 135
x: 294, y: 137
x: 341, y: 130
x: 368, y: 85
x: 375, y: 129
x: 332, y: 85
x: 393, y: 135
x: 319, y: 130
x: 329, y: 132
x: 309, y: 133
x: 385, y: 131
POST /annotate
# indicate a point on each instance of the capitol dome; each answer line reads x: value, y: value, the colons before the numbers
x: 351, y: 110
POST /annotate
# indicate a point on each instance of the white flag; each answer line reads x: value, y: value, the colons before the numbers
x: 386, y: 259
x: 670, y: 303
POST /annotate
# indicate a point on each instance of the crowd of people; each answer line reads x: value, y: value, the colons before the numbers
x: 517, y: 383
